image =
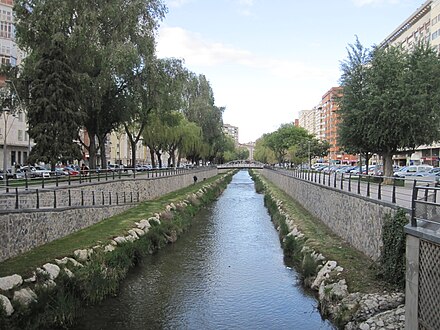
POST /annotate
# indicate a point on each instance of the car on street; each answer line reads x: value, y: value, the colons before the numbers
x: 413, y: 170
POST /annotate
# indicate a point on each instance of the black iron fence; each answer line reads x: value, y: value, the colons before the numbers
x: 393, y: 190
x: 425, y: 205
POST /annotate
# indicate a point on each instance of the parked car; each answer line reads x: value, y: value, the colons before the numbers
x: 412, y: 170
x: 41, y: 172
x: 71, y: 170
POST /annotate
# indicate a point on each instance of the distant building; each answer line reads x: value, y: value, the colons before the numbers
x: 250, y: 146
x: 231, y: 131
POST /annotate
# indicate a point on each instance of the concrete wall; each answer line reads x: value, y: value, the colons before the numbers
x: 22, y: 230
x: 356, y: 219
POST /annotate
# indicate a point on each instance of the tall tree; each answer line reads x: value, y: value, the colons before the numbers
x: 354, y: 113
x: 400, y: 101
x: 105, y: 40
x: 54, y: 118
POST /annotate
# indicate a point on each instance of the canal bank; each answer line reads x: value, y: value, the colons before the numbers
x: 345, y: 280
x: 226, y: 272
x: 53, y: 294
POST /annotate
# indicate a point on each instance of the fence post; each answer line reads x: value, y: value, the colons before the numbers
x: 368, y: 186
x: 393, y: 197
x: 7, y: 183
x: 42, y: 182
x: 413, y: 205
x: 26, y: 183
x: 93, y: 197
x: 68, y: 178
x: 349, y: 182
x: 110, y: 198
x: 82, y: 197
x: 102, y: 197
x: 56, y: 180
x: 70, y: 198
x: 38, y: 199
x: 379, y: 191
x: 342, y: 181
x: 16, y: 198
x: 54, y: 199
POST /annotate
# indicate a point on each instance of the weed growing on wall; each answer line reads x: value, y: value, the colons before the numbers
x: 392, y: 259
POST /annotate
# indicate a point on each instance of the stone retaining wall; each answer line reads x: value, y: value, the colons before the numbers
x: 356, y: 219
x: 22, y: 230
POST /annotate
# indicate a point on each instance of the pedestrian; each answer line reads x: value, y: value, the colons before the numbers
x: 195, y: 179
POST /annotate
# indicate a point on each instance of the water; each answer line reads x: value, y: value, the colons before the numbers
x: 227, y: 272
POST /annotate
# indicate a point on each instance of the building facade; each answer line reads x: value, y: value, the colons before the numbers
x: 231, y: 131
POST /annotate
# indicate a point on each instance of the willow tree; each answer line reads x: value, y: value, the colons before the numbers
x: 199, y: 107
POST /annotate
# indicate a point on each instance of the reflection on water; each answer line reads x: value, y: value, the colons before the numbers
x: 227, y: 272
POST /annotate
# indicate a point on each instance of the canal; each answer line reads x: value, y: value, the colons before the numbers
x: 226, y: 272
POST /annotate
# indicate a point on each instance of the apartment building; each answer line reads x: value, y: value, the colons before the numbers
x: 231, y: 131
x: 13, y: 127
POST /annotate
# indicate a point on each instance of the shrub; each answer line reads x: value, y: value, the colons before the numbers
x: 392, y: 259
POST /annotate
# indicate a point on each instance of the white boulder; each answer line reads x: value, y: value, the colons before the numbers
x: 7, y: 306
x: 9, y: 282
x: 25, y: 296
x: 52, y: 270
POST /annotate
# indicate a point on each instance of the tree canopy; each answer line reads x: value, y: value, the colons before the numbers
x: 390, y: 100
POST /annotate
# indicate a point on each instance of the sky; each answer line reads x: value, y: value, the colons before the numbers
x: 266, y: 60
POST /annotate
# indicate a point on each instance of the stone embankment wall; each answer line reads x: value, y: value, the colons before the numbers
x: 356, y: 219
x: 22, y: 230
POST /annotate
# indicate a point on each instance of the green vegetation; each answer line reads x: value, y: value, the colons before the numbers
x: 359, y: 270
x: 392, y: 260
x: 101, y: 276
x: 289, y: 143
x: 88, y: 237
x: 390, y: 100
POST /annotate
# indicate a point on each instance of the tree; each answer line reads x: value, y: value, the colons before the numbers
x: 105, y: 40
x: 400, y: 98
x: 354, y: 114
x: 199, y: 108
x: 262, y: 152
x: 54, y: 118
x: 285, y: 137
x: 242, y: 153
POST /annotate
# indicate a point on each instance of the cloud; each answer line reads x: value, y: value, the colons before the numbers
x: 177, y: 42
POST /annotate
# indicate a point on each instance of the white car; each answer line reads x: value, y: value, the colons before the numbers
x: 412, y: 170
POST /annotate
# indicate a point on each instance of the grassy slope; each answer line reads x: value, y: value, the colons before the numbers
x: 91, y: 236
x: 359, y: 270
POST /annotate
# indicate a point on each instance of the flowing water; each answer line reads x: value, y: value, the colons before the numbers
x: 226, y: 272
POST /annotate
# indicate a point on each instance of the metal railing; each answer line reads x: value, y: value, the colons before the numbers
x: 31, y: 181
x: 425, y: 204
x: 71, y: 191
x: 398, y: 191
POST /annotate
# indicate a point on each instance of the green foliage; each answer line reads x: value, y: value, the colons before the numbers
x: 308, y: 266
x: 391, y: 100
x: 53, y: 115
x: 392, y: 259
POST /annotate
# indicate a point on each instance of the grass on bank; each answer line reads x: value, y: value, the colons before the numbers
x: 359, y: 270
x: 102, y: 232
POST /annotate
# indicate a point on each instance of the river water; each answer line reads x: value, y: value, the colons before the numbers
x: 226, y: 272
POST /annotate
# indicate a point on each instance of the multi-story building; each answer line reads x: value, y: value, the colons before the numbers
x: 13, y: 127
x: 231, y: 131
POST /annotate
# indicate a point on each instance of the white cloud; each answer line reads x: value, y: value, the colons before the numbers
x: 177, y: 42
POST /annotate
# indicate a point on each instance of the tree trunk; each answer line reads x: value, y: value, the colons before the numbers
x: 159, y: 158
x: 92, y: 151
x: 133, y: 153
x: 388, y: 167
x: 153, y: 161
x: 102, y: 152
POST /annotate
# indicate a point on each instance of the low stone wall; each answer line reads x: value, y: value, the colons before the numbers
x: 22, y: 230
x: 356, y: 219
